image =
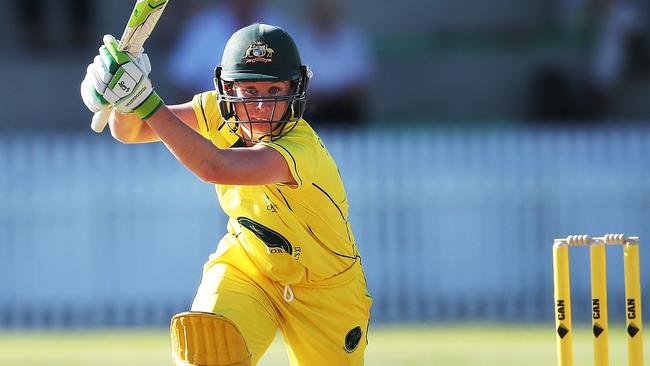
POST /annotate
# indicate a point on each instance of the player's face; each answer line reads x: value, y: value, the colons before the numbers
x: 260, y: 110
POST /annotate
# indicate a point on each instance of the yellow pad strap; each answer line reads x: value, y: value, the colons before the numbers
x: 206, y: 339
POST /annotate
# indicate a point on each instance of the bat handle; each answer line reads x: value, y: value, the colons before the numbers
x: 100, y: 120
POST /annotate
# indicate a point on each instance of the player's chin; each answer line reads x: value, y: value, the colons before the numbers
x: 257, y: 130
x: 263, y: 126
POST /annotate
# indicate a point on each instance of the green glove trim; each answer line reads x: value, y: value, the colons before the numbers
x: 108, y: 60
x: 149, y: 106
x: 116, y: 78
x: 100, y: 97
x: 119, y: 56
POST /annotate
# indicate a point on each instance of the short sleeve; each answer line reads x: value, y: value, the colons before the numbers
x: 298, y: 148
x: 211, y: 125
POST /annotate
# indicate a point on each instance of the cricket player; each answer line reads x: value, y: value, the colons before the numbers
x: 288, y: 260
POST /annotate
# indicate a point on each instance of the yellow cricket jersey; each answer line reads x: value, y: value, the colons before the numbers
x: 292, y: 234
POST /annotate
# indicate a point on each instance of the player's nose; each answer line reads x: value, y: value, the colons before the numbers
x: 263, y: 106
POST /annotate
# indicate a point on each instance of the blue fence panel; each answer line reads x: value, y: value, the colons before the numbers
x: 452, y: 224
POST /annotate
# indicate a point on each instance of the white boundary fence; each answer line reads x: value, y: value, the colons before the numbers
x: 452, y: 224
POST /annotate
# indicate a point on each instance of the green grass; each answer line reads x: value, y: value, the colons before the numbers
x: 435, y: 345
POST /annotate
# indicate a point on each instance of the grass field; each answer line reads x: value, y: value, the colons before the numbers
x: 413, y: 346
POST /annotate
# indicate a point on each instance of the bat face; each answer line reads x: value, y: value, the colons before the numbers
x: 143, y: 19
x: 142, y: 10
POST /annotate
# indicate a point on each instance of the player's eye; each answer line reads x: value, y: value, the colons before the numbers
x: 274, y: 90
x: 247, y: 92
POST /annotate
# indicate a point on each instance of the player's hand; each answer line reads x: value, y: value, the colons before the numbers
x: 94, y: 85
x: 98, y: 77
x: 122, y: 81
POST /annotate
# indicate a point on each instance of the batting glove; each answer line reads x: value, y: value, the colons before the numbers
x: 97, y: 78
x: 115, y: 79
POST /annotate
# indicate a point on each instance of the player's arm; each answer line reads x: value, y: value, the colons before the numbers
x: 110, y: 82
x: 128, y: 128
x: 255, y: 165
x: 124, y: 83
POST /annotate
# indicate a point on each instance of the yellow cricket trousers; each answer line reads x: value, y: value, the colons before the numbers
x: 326, y: 324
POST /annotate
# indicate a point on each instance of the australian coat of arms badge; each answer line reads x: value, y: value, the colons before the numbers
x: 258, y: 52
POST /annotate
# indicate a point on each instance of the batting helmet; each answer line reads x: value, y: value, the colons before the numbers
x: 262, y: 52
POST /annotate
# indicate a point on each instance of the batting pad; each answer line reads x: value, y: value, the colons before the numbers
x: 206, y: 339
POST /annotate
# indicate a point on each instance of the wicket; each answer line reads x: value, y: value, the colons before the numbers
x: 562, y: 294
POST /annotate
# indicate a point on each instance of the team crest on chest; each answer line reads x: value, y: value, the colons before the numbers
x: 258, y: 52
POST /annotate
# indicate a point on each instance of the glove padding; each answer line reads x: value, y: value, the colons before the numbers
x: 115, y: 79
x: 93, y: 86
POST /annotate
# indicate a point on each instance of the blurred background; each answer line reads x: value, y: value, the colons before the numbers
x: 468, y: 137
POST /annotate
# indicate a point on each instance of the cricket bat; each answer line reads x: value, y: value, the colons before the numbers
x: 143, y: 19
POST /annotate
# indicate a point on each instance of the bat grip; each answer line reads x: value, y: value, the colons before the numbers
x: 100, y: 120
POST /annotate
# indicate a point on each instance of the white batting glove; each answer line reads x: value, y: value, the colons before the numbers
x: 94, y: 85
x: 115, y: 79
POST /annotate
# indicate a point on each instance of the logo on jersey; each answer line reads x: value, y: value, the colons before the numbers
x: 259, y: 52
x: 272, y: 239
x: 352, y: 339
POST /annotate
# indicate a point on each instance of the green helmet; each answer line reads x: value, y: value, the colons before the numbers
x: 261, y: 52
